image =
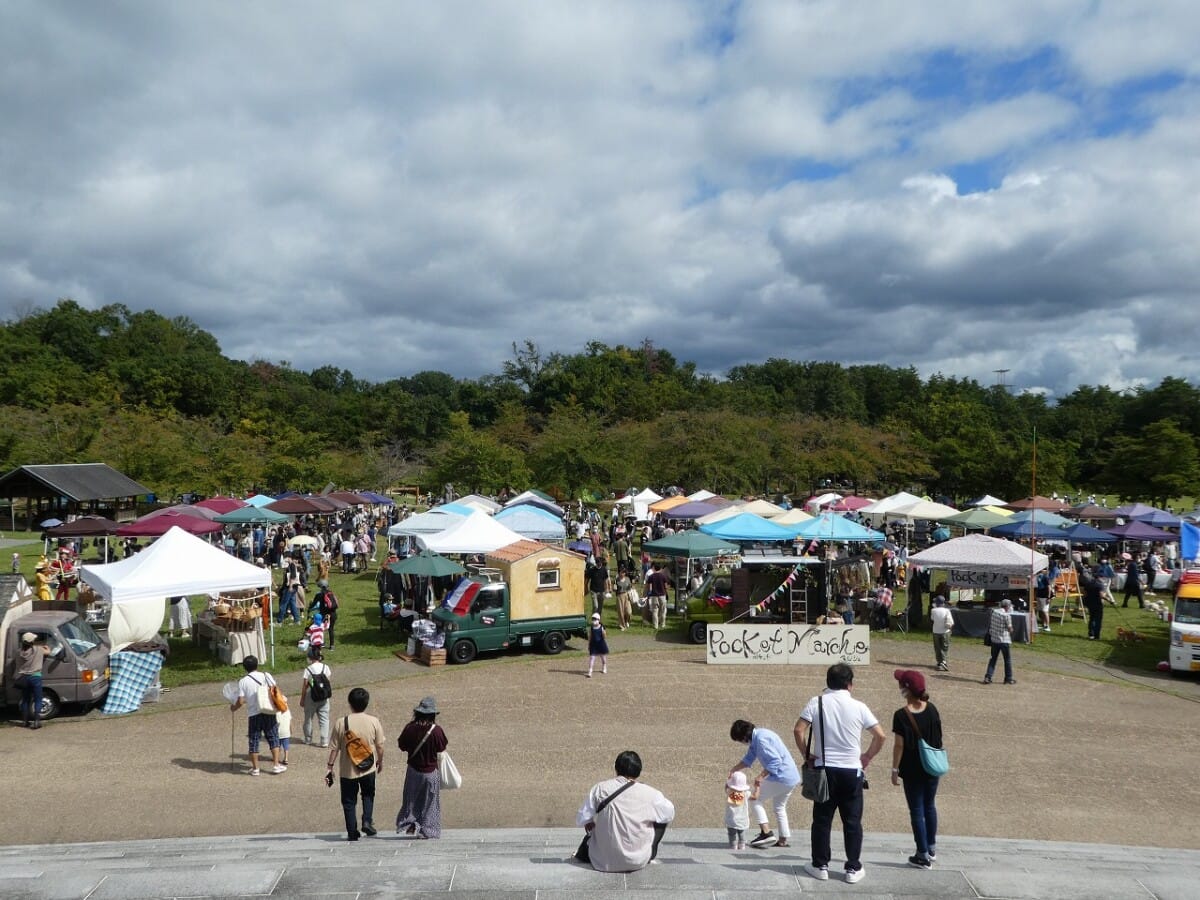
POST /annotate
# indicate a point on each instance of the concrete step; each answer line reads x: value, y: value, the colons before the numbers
x: 532, y: 863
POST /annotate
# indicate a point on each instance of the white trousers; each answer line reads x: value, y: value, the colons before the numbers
x: 776, y: 793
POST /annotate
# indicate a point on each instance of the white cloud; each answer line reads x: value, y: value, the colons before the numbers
x: 367, y: 186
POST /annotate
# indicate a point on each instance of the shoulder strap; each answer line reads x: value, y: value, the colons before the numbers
x: 613, y: 796
x: 821, y: 715
x: 913, y: 720
x: 421, y: 743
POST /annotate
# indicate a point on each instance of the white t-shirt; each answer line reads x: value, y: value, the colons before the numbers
x: 942, y: 619
x: 248, y: 688
x: 845, y: 720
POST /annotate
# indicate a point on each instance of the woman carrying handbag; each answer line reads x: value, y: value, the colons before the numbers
x: 917, y: 730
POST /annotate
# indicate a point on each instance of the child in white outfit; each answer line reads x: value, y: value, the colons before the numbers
x: 737, y: 812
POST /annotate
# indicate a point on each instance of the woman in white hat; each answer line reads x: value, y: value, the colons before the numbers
x: 597, y: 646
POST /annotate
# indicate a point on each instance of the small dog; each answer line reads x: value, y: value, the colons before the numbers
x: 1128, y: 634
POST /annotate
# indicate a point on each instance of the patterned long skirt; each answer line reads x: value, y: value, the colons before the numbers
x: 421, y: 809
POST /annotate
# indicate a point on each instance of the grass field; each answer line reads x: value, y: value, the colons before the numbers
x: 359, y: 637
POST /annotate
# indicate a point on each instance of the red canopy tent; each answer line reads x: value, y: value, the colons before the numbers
x: 159, y: 523
x: 221, y: 505
x: 1040, y: 502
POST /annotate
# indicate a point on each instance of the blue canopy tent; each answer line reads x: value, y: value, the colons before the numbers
x: 1082, y: 533
x: 1140, y: 531
x: 1135, y: 510
x: 1043, y: 518
x: 534, y: 523
x: 831, y: 527
x: 693, y: 509
x: 1160, y: 519
x: 749, y: 527
x: 378, y: 499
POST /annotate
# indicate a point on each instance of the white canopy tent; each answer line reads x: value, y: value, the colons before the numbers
x: 177, y: 564
x: 700, y: 495
x: 980, y: 553
x: 639, y: 503
x: 429, y: 522
x: 987, y: 500
x: 880, y: 508
x: 477, y: 533
x: 921, y: 509
x: 478, y: 501
x: 814, y: 504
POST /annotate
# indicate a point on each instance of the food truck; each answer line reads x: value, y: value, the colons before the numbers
x: 526, y: 595
x: 76, y: 668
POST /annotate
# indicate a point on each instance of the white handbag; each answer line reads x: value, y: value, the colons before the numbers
x: 451, y: 778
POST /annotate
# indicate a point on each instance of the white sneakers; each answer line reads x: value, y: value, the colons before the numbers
x: 821, y: 873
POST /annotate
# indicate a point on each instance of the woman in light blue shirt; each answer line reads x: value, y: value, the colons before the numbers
x: 774, y: 785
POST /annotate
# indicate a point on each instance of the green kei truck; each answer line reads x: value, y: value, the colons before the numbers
x: 527, y: 595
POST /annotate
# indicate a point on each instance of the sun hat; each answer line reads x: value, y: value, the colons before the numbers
x: 28, y: 637
x: 427, y: 707
x: 737, y: 782
x: 910, y: 680
x: 595, y: 617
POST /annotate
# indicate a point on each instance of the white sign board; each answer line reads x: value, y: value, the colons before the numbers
x: 742, y: 643
x: 987, y: 581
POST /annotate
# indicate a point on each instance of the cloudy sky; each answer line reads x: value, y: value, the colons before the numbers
x: 397, y: 186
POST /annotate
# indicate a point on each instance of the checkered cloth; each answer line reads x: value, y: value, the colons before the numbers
x: 132, y: 673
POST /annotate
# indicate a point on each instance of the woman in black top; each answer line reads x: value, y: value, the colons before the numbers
x: 920, y: 788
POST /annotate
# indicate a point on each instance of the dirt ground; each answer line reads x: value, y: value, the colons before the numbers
x: 1072, y: 752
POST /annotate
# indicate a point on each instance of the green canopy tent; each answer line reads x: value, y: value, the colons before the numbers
x: 249, y: 515
x: 689, y: 545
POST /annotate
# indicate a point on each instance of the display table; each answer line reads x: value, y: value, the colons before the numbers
x: 231, y: 646
x: 974, y: 623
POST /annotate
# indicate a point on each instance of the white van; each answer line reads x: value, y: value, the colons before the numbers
x: 1184, y: 655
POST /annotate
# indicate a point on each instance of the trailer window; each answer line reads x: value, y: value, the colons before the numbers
x: 548, y: 579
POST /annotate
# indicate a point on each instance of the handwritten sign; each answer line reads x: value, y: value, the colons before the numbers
x: 987, y: 581
x: 796, y: 645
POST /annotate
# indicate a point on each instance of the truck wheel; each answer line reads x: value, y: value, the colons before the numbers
x: 554, y: 642
x: 462, y: 652
x: 697, y: 632
x: 50, y: 704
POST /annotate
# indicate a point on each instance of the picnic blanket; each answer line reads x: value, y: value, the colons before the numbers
x: 132, y: 673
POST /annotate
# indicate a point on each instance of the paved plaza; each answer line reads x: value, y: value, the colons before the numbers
x: 1070, y: 783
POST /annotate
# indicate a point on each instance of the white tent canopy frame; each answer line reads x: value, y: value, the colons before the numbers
x: 176, y: 564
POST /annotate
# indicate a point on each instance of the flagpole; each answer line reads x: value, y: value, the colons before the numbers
x: 1031, y: 615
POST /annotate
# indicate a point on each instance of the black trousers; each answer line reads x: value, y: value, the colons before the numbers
x: 845, y: 799
x: 351, y: 787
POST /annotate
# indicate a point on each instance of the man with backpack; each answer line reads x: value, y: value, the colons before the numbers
x: 315, y: 694
x: 252, y: 693
x: 357, y: 750
x: 326, y: 603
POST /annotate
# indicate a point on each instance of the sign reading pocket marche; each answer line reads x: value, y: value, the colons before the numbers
x: 797, y: 645
x: 987, y: 581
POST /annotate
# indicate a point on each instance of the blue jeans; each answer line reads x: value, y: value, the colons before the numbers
x: 31, y: 698
x: 1095, y: 619
x: 921, y: 794
x: 846, y: 799
x: 997, y: 649
x: 350, y: 790
x: 287, y: 601
x: 848, y: 616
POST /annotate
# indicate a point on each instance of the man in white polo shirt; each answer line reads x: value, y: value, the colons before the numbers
x: 837, y: 746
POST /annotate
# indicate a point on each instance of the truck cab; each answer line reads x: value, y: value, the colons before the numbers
x: 1184, y: 653
x: 487, y: 624
x: 76, y: 668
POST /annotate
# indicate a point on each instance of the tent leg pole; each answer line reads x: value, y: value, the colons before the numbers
x: 271, y: 615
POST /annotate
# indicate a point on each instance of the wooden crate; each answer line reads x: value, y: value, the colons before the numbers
x: 432, y: 657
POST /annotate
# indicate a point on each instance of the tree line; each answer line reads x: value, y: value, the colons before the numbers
x: 154, y: 397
